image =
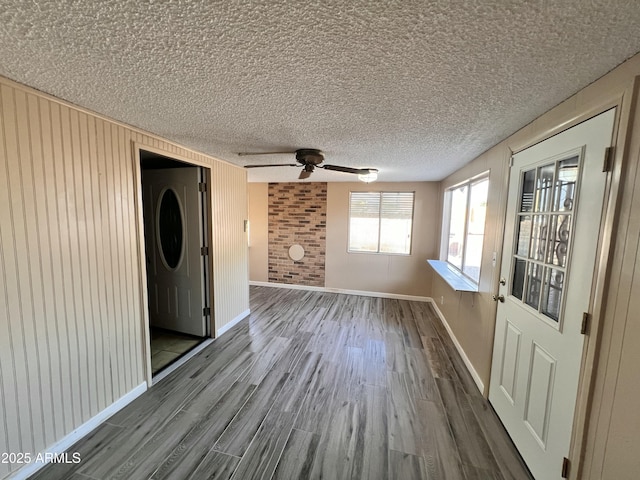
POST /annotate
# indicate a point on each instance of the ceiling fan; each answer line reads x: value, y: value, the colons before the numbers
x: 310, y: 159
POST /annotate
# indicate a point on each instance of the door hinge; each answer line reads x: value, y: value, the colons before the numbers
x: 206, y: 311
x: 565, y: 468
x: 204, y: 251
x: 511, y: 161
x: 586, y: 317
x: 607, y: 166
x: 202, y: 187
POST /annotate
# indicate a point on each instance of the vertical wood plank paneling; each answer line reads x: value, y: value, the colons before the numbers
x: 87, y: 242
x: 129, y: 254
x: 120, y: 258
x: 46, y: 191
x: 136, y: 333
x: 37, y: 239
x: 117, y: 258
x: 71, y: 330
x: 95, y: 132
x: 87, y: 133
x: 92, y: 196
x: 98, y: 162
x: 113, y: 314
x: 229, y: 198
x: 116, y: 349
x: 30, y: 278
x: 4, y: 311
x: 4, y: 296
x: 79, y: 261
x: 16, y: 275
x: 42, y: 185
x: 10, y: 411
x: 131, y: 262
x: 69, y: 230
x: 55, y: 202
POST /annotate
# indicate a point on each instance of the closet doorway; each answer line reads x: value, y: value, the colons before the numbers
x: 174, y: 200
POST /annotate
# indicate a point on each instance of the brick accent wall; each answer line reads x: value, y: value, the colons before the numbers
x: 297, y: 214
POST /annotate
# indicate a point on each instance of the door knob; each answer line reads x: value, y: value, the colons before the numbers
x: 498, y: 298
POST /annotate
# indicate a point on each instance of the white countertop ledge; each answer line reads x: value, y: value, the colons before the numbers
x: 453, y: 277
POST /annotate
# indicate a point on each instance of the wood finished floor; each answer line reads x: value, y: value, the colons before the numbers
x: 311, y: 385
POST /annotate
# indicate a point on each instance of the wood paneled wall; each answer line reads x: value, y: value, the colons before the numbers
x: 230, y: 253
x: 71, y: 328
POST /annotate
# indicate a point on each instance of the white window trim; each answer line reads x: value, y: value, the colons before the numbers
x: 446, y: 223
x: 380, y: 192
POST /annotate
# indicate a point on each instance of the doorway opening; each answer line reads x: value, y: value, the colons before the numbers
x: 176, y: 239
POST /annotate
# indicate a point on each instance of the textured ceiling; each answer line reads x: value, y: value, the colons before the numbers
x: 413, y: 88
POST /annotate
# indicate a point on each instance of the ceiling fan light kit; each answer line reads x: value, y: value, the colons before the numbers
x: 369, y: 177
x: 309, y: 159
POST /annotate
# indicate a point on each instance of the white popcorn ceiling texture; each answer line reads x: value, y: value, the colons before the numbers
x: 413, y: 88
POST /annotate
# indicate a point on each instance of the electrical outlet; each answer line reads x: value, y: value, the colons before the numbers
x: 442, y: 300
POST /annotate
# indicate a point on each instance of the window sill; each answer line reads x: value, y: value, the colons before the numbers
x: 454, y: 278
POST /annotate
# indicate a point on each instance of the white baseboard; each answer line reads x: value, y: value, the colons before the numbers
x: 463, y: 355
x: 230, y: 324
x: 80, y: 432
x: 362, y: 293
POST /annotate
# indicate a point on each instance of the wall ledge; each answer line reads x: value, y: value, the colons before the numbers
x: 362, y: 293
x: 453, y: 277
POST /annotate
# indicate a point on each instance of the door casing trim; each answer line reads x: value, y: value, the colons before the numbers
x: 624, y: 103
x: 144, y: 298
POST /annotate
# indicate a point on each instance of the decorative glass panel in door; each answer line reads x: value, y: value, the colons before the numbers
x: 170, y: 229
x: 544, y: 222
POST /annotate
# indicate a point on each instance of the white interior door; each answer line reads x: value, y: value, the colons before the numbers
x: 554, y: 211
x: 173, y: 237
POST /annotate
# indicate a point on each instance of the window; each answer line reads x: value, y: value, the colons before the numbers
x: 466, y: 205
x: 380, y: 222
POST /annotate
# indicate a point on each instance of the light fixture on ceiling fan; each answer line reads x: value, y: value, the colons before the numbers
x: 310, y: 159
x: 372, y: 176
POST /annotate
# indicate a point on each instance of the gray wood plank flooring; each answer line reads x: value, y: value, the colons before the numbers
x: 312, y: 385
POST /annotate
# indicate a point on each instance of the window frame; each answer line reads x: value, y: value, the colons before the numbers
x: 380, y: 193
x: 446, y: 223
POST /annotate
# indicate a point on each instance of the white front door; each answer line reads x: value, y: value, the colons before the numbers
x: 173, y: 239
x: 554, y: 211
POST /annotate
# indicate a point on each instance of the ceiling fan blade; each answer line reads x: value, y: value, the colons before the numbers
x: 273, y: 165
x: 304, y: 174
x: 338, y: 168
x: 247, y: 154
